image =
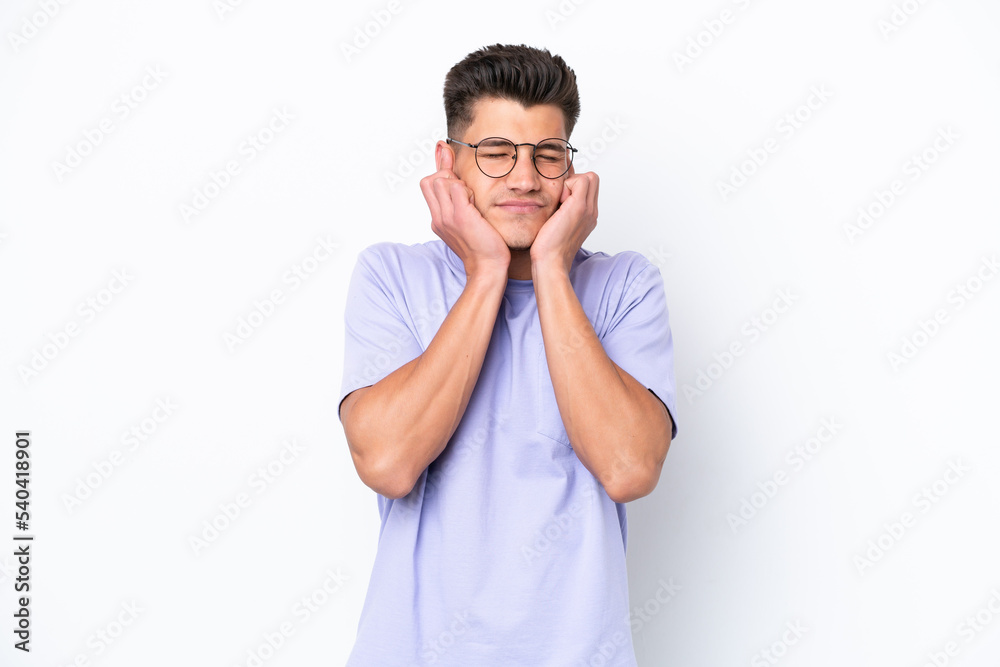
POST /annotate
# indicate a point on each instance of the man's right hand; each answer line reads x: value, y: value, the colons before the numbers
x: 455, y: 218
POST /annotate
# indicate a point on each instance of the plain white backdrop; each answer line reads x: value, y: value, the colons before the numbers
x: 184, y: 188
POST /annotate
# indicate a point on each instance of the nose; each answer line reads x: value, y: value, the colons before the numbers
x: 524, y: 176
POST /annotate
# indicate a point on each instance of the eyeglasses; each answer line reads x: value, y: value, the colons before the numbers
x: 496, y: 156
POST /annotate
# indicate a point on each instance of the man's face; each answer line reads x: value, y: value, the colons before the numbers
x: 518, y: 204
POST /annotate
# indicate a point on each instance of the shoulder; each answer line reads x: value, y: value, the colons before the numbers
x: 618, y: 268
x: 410, y: 260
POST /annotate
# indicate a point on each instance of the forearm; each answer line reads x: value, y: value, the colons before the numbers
x: 406, y: 419
x: 619, y: 430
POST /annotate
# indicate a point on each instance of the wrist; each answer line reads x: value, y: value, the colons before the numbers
x: 487, y: 275
x: 543, y: 267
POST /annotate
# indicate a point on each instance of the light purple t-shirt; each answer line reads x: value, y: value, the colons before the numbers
x: 507, y: 551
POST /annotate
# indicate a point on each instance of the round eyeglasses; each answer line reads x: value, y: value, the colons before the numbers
x: 496, y: 156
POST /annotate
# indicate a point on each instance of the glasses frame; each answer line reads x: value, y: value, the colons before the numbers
x: 516, y: 153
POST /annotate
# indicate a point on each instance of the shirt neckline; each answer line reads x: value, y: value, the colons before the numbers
x: 513, y: 284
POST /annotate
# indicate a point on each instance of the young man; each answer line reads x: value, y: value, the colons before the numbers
x: 505, y: 392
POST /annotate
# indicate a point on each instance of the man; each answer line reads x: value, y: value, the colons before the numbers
x: 505, y: 393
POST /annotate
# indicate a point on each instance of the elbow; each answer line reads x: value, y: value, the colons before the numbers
x: 626, y: 488
x: 385, y: 477
x: 381, y: 469
x: 630, y: 481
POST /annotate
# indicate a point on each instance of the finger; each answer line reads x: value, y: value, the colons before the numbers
x: 595, y: 184
x: 465, y: 186
x: 578, y: 186
x: 427, y: 187
x: 442, y: 188
x: 465, y: 202
x: 461, y: 199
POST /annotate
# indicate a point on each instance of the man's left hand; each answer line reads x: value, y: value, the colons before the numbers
x: 562, y: 235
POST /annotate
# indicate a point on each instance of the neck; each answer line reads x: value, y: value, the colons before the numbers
x: 520, y: 265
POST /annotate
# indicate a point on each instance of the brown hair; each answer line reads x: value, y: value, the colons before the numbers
x: 519, y: 73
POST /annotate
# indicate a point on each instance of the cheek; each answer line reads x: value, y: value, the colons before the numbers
x: 555, y: 192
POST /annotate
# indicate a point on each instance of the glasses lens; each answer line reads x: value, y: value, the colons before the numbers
x: 495, y: 157
x: 552, y: 158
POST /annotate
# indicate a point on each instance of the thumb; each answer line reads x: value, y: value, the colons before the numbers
x: 447, y: 157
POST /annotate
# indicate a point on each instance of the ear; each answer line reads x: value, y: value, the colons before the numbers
x: 444, y: 156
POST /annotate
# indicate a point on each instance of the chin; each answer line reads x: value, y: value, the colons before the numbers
x: 518, y: 232
x: 518, y: 239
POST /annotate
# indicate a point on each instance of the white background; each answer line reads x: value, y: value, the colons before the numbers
x: 662, y: 134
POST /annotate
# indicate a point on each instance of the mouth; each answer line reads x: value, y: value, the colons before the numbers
x: 520, y: 206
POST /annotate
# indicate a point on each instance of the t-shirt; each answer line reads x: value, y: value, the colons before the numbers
x: 507, y: 551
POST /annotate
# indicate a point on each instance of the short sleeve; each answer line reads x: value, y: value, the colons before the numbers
x: 638, y: 337
x: 377, y: 340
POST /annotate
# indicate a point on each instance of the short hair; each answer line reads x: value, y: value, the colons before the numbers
x: 518, y: 73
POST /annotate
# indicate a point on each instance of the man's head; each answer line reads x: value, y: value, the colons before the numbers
x: 522, y: 74
x: 522, y: 94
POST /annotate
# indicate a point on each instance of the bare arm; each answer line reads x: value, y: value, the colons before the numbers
x: 619, y: 429
x: 398, y: 426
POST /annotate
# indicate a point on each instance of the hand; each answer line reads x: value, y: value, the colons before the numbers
x: 459, y: 223
x: 564, y: 232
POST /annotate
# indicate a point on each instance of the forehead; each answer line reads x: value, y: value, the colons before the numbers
x: 493, y: 117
